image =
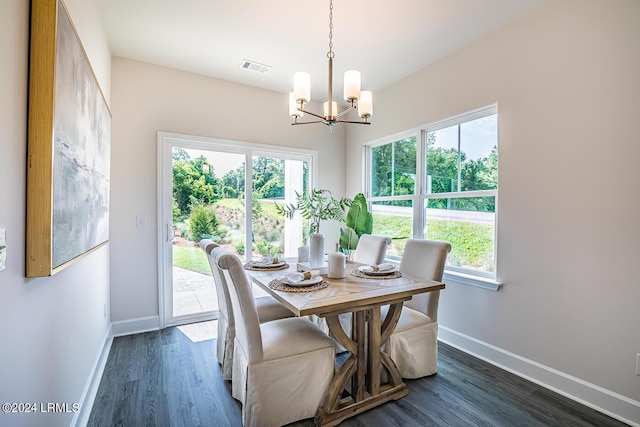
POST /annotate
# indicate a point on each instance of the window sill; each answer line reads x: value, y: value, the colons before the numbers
x: 465, y: 279
x: 468, y: 279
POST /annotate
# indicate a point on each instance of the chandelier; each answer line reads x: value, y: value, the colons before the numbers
x: 357, y: 99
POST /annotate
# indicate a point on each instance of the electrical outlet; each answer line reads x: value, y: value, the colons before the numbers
x: 105, y: 310
x: 638, y: 364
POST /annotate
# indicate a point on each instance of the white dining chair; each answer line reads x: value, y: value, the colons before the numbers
x: 267, y: 307
x: 282, y: 368
x: 413, y: 345
x: 371, y: 249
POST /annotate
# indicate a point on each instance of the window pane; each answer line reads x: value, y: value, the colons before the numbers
x: 442, y: 160
x: 468, y: 224
x: 206, y: 185
x: 275, y: 180
x: 393, y: 168
x: 205, y: 206
x: 479, y: 154
x: 393, y: 219
x: 463, y: 157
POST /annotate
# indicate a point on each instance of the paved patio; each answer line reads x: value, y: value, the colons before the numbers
x: 194, y: 292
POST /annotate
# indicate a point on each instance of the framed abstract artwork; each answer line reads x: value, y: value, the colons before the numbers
x: 68, y: 148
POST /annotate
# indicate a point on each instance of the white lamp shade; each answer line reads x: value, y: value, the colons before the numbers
x: 293, y: 107
x: 351, y: 85
x: 365, y: 104
x: 302, y: 86
x: 334, y: 109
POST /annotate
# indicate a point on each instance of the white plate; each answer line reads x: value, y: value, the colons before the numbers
x: 367, y: 269
x: 262, y: 265
x: 309, y: 282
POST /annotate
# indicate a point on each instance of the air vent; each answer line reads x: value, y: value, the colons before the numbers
x: 247, y: 64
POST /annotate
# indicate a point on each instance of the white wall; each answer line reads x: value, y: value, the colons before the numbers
x: 148, y: 99
x: 567, y: 83
x: 566, y: 80
x: 52, y: 329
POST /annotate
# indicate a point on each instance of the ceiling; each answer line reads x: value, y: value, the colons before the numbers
x: 385, y: 40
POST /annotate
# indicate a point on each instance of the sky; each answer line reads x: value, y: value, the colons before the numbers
x: 221, y: 162
x: 477, y: 137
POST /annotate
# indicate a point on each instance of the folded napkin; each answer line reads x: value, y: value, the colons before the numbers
x: 383, y: 267
x: 294, y: 277
x: 297, y: 277
x: 268, y: 260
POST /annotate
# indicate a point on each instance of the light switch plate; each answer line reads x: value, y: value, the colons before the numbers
x: 3, y: 249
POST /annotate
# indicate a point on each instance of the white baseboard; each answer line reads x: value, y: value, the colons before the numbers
x: 606, y: 401
x: 126, y: 327
x: 135, y: 326
x: 90, y: 391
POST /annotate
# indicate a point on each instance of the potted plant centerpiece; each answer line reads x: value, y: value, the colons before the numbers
x: 316, y: 206
x: 359, y: 221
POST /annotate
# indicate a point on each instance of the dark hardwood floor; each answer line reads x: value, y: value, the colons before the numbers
x: 164, y: 378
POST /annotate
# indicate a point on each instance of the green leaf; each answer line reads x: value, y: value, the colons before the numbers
x: 359, y: 218
x: 316, y: 206
x: 348, y: 238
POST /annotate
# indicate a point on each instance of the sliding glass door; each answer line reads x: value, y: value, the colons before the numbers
x: 202, y: 186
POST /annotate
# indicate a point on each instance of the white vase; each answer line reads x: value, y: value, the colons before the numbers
x: 316, y: 250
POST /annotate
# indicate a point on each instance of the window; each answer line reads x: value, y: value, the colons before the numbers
x: 440, y: 182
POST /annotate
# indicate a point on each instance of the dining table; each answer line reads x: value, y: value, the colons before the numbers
x: 358, y: 383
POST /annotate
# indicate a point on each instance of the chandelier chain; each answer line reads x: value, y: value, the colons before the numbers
x: 330, y: 54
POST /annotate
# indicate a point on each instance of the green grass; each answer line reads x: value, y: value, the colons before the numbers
x: 229, y: 203
x: 471, y: 244
x: 396, y: 227
x: 268, y: 206
x: 193, y: 259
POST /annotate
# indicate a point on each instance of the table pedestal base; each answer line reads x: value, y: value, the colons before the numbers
x: 363, y: 367
x: 351, y: 409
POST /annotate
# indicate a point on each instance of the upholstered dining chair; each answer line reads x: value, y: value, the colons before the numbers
x: 413, y: 345
x: 282, y: 368
x: 371, y: 249
x: 267, y: 307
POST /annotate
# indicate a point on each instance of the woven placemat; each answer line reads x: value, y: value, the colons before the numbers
x: 250, y: 266
x: 362, y: 275
x: 277, y: 285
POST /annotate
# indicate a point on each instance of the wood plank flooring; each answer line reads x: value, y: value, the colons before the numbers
x: 164, y: 378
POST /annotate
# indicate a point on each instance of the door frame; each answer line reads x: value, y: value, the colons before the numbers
x: 166, y: 141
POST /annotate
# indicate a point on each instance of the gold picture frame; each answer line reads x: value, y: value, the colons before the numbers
x: 68, y: 147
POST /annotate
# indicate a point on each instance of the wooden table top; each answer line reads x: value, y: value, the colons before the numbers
x: 344, y: 295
